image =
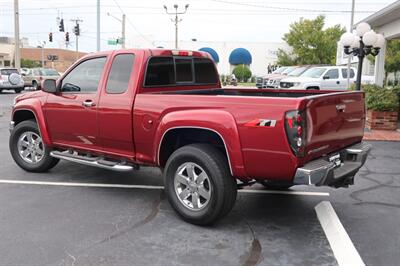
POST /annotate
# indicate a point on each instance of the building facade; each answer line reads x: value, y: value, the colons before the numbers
x: 262, y: 53
x: 65, y: 58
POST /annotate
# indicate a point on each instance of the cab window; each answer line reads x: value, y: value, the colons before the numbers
x: 332, y: 74
x: 177, y: 71
x: 85, y: 77
x: 344, y: 73
x: 120, y: 73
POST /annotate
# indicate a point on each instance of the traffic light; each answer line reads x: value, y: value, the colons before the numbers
x: 61, y: 26
x: 77, y: 30
x: 50, y: 37
x: 67, y: 36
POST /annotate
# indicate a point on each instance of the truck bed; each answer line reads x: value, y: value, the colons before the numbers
x: 252, y: 92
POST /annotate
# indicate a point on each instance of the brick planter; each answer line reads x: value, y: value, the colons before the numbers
x: 382, y: 120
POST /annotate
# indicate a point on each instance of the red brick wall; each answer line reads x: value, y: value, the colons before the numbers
x: 382, y: 120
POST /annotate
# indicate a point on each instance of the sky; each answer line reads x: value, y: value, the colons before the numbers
x: 205, y: 20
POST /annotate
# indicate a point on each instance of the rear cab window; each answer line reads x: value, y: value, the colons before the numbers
x: 176, y: 71
x: 344, y: 73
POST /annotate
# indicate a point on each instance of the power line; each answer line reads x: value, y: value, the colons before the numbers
x: 202, y: 9
x: 132, y: 25
x: 284, y: 8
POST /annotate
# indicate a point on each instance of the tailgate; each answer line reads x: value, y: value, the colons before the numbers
x: 334, y: 121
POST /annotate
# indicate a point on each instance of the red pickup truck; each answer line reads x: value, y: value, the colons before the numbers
x: 123, y: 109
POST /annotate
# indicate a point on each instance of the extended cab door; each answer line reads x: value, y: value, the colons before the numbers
x: 331, y: 80
x: 71, y: 114
x: 116, y: 104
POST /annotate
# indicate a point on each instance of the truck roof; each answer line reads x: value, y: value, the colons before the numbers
x: 158, y: 52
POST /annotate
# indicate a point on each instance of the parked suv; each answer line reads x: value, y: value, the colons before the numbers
x: 289, y: 72
x: 320, y: 78
x: 261, y: 82
x: 33, y: 77
x: 10, y: 79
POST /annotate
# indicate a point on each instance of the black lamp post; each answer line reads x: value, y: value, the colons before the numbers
x: 364, y: 42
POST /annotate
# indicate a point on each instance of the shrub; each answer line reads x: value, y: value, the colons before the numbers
x: 242, y: 73
x: 381, y: 99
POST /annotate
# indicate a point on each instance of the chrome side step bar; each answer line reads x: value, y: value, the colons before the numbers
x: 99, y: 162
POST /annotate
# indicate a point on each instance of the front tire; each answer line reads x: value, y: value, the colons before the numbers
x: 198, y: 184
x: 35, y: 85
x: 28, y: 150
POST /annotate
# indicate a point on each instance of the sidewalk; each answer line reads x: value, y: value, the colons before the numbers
x: 386, y: 135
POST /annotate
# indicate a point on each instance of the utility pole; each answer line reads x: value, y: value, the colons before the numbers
x: 176, y: 20
x: 17, y: 55
x: 350, y: 56
x: 123, y: 27
x: 98, y: 26
x: 77, y: 33
x: 123, y: 31
x: 42, y: 46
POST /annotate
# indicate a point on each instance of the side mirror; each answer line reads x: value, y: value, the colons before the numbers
x: 325, y: 77
x: 23, y: 74
x: 49, y: 85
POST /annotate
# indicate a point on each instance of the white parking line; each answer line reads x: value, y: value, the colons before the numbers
x: 73, y: 184
x: 291, y: 192
x: 340, y: 242
x: 102, y: 185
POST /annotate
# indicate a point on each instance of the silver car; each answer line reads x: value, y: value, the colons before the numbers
x: 10, y: 79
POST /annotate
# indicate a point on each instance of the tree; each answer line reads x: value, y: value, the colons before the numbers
x: 311, y: 44
x: 242, y: 73
x: 392, y: 57
x: 28, y: 63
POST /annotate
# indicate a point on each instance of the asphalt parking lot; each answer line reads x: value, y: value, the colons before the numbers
x: 68, y: 223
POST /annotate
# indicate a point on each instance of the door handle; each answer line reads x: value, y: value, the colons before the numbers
x: 88, y: 103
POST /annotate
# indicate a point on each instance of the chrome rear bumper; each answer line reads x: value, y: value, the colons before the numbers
x: 321, y: 172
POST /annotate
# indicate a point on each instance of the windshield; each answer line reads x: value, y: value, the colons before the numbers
x: 314, y: 72
x: 8, y: 71
x: 297, y: 72
x: 288, y: 70
x: 279, y: 70
x: 49, y: 72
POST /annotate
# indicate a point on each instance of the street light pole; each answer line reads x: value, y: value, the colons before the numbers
x: 176, y: 20
x: 17, y: 55
x: 351, y: 30
x: 365, y: 42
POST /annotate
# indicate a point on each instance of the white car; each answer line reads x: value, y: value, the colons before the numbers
x: 320, y: 78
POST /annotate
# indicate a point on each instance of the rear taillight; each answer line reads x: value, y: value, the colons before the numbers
x: 40, y: 78
x: 295, y: 126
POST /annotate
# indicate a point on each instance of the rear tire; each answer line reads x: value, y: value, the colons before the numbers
x: 28, y: 150
x: 199, y: 185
